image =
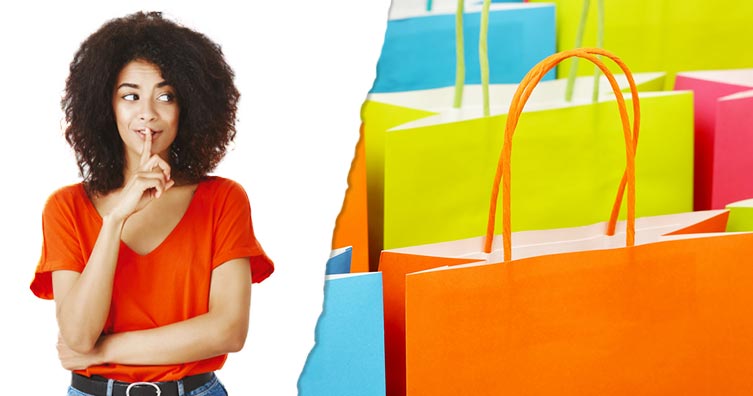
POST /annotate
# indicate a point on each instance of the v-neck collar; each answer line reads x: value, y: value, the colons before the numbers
x: 194, y: 199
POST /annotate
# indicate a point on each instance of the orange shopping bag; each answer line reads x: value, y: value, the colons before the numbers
x: 352, y: 223
x: 583, y: 313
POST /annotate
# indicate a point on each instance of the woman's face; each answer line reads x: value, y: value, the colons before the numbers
x: 142, y: 99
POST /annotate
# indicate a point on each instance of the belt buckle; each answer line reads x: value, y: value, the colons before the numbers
x: 128, y: 389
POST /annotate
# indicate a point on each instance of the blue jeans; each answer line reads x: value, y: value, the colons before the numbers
x: 213, y: 387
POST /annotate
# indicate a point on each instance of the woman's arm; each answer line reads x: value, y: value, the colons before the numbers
x: 221, y: 330
x: 83, y: 300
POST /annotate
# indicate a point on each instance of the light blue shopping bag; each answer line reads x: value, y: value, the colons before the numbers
x: 348, y: 358
x: 419, y: 47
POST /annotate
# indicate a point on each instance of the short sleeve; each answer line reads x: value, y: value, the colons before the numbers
x: 234, y: 233
x: 61, y: 247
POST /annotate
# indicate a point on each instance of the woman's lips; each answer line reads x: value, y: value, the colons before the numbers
x: 142, y: 134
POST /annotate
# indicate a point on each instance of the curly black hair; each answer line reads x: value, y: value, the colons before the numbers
x: 189, y: 61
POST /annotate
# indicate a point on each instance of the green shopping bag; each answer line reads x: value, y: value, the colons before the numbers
x: 663, y: 35
x: 382, y: 112
x: 443, y: 164
x: 740, y: 216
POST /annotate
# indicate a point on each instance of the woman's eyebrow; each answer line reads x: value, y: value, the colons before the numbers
x: 128, y: 85
x: 136, y: 86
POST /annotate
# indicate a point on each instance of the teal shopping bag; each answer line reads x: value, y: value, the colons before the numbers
x: 419, y: 50
x: 348, y: 358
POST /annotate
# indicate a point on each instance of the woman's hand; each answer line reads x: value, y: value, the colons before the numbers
x: 146, y: 184
x: 72, y: 360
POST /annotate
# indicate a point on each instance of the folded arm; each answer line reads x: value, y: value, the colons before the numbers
x: 221, y: 330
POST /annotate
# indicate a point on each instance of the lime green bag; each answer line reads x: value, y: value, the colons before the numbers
x: 436, y: 169
x: 740, y: 216
x: 666, y: 35
x: 382, y: 112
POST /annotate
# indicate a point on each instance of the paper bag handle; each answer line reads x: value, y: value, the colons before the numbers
x: 483, y: 56
x: 579, y: 43
x: 516, y: 108
x: 457, y: 101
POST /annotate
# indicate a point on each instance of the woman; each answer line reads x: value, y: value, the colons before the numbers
x: 149, y: 260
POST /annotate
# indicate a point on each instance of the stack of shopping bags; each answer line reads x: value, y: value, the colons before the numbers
x: 516, y: 37
x: 565, y: 159
x: 659, y: 307
x: 424, y: 158
x: 723, y: 135
x: 533, y: 292
x: 428, y: 155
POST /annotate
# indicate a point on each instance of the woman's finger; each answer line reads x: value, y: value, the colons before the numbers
x: 154, y: 180
x: 157, y: 161
x: 147, y: 180
x: 146, y: 150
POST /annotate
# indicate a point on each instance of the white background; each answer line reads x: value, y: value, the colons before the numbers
x: 303, y: 69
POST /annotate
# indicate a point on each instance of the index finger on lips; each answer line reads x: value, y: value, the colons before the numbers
x: 146, y: 150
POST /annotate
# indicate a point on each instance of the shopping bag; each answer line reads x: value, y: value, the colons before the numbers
x: 723, y: 135
x: 661, y: 319
x: 419, y: 50
x: 340, y: 261
x: 396, y: 263
x: 636, y: 317
x: 565, y: 159
x: 348, y: 357
x: 393, y: 270
x: 740, y: 216
x: 384, y: 111
x: 666, y: 35
x: 351, y: 227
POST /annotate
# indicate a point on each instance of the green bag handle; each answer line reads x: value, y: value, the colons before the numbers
x: 579, y: 43
x: 483, y: 55
x: 459, y: 56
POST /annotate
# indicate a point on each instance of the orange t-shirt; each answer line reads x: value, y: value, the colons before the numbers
x: 167, y: 285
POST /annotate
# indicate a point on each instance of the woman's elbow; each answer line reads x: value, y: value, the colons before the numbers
x: 78, y: 342
x: 79, y: 337
x: 234, y: 335
x: 236, y: 338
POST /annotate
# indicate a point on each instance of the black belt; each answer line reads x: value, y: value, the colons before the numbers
x: 97, y: 386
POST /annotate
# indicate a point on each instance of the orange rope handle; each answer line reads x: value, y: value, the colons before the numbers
x: 516, y: 108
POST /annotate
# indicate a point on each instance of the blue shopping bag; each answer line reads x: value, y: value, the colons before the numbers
x: 348, y: 358
x: 419, y: 46
x: 339, y: 261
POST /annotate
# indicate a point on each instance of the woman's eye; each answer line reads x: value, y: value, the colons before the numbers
x: 166, y: 97
x: 131, y: 97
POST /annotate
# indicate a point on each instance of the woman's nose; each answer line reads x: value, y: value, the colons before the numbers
x: 147, y: 112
